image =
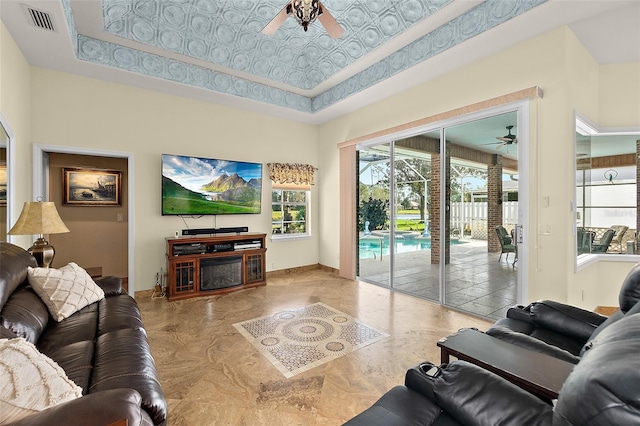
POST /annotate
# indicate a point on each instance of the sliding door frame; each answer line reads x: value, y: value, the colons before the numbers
x: 517, y: 101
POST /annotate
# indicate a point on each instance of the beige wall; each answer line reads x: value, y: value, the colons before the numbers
x: 14, y: 104
x: 101, y: 115
x: 619, y: 101
x: 570, y: 79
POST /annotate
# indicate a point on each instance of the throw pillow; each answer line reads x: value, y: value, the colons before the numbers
x: 65, y: 290
x: 30, y: 381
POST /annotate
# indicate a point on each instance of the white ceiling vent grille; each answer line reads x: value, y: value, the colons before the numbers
x: 39, y: 18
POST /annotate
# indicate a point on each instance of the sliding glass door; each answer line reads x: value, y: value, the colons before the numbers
x: 481, y: 177
x: 415, y: 268
x: 450, y: 195
x: 373, y: 190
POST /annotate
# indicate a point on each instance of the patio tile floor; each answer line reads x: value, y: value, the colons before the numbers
x: 476, y: 282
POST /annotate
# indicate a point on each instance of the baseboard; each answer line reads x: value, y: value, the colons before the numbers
x: 146, y: 294
x: 299, y: 269
x: 329, y: 269
x: 143, y: 294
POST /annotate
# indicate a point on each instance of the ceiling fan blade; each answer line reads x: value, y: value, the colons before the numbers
x: 501, y: 145
x: 329, y: 23
x: 490, y: 143
x: 277, y: 21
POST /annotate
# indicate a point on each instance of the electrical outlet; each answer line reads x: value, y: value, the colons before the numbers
x: 120, y: 217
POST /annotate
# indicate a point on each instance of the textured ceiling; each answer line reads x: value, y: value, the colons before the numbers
x: 227, y: 33
x: 213, y: 50
x: 217, y: 44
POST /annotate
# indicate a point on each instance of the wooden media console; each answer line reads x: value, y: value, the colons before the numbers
x: 202, y: 266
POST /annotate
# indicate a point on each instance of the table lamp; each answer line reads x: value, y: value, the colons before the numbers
x: 40, y: 218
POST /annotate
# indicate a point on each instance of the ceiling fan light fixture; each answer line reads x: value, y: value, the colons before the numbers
x: 306, y: 11
x: 509, y: 138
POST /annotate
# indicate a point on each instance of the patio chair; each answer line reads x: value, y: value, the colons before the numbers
x: 506, y: 243
x: 585, y: 240
x: 617, y: 238
x: 603, y: 245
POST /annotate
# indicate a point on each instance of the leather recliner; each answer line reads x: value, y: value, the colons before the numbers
x: 602, y: 389
x: 561, y: 330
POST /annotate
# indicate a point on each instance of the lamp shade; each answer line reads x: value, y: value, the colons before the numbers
x: 39, y: 218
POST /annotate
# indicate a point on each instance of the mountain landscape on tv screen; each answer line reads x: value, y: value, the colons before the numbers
x: 226, y: 183
x: 228, y: 194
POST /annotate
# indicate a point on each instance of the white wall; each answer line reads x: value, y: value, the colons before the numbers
x: 75, y: 111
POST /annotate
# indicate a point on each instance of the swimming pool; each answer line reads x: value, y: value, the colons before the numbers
x: 369, y: 248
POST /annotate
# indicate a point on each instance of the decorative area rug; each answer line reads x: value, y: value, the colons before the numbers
x: 300, y: 339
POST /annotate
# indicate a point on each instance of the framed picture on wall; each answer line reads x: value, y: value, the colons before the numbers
x: 3, y: 184
x: 91, y: 187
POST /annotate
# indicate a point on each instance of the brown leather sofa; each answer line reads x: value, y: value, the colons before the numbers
x: 103, y: 348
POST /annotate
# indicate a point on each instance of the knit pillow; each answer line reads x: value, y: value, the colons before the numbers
x: 65, y: 290
x: 30, y: 381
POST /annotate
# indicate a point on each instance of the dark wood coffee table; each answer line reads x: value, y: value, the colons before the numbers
x: 534, y: 372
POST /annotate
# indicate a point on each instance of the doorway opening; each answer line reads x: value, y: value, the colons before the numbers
x: 101, y: 237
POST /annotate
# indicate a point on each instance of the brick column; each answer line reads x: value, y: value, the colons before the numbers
x: 447, y: 209
x: 494, y: 199
x: 435, y: 209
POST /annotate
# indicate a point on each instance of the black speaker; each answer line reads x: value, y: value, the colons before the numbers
x: 236, y: 229
x: 205, y: 231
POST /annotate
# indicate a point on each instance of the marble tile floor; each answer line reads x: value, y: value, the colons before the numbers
x: 476, y: 282
x: 297, y: 340
x: 211, y: 374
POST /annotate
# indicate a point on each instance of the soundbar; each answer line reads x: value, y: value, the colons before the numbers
x: 206, y: 231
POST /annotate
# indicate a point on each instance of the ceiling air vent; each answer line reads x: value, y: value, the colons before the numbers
x: 40, y: 19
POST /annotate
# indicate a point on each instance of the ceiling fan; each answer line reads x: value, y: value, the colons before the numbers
x: 305, y: 12
x: 508, y: 139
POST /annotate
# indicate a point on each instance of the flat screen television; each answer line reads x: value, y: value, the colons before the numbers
x: 206, y: 186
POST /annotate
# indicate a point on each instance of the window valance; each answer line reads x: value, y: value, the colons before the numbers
x: 283, y: 174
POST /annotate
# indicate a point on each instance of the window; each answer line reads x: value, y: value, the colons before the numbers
x: 606, y: 191
x: 603, y: 201
x: 289, y: 212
